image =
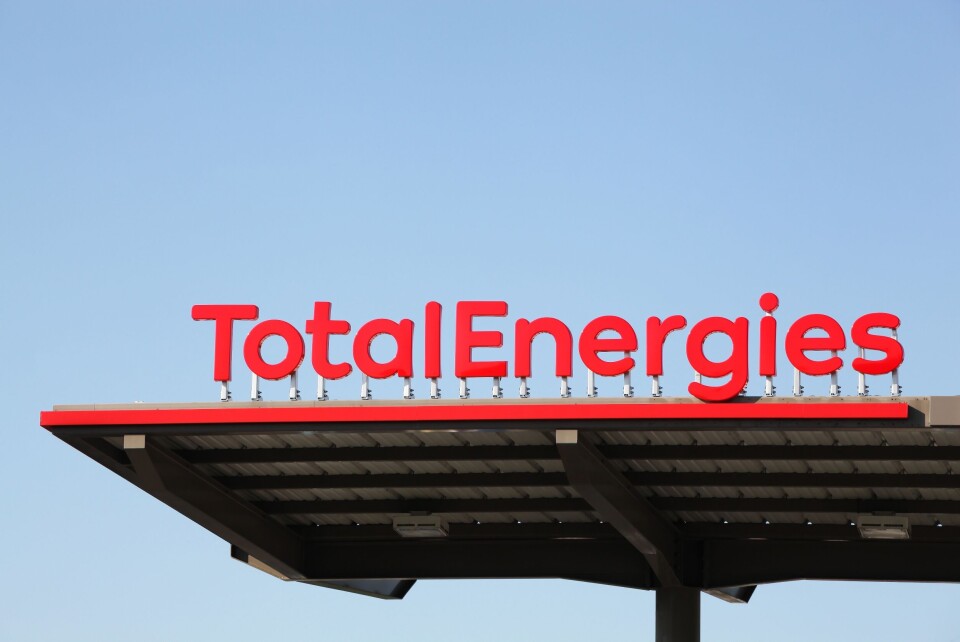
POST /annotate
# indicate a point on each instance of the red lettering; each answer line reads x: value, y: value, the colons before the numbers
x: 591, y: 345
x: 657, y: 332
x: 321, y: 327
x: 224, y: 316
x: 609, y: 356
x: 431, y: 330
x: 401, y: 364
x: 736, y: 365
x: 768, y: 335
x: 797, y: 344
x: 259, y: 334
x: 467, y: 339
x: 893, y: 351
x: 524, y: 333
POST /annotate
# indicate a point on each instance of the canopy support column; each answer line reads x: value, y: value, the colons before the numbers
x: 678, y: 615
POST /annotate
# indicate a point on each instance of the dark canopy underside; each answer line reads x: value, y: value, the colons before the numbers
x: 639, y: 493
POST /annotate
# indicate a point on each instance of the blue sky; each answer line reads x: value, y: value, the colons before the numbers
x: 573, y: 159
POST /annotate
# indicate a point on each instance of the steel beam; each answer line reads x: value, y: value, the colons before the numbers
x: 782, y: 453
x: 500, y: 480
x: 765, y: 505
x: 618, y: 502
x: 799, y: 531
x: 411, y: 480
x: 739, y: 562
x: 594, y: 530
x: 383, y: 589
x: 508, y: 531
x: 613, y: 562
x: 392, y: 506
x: 549, y: 453
x: 795, y: 480
x: 180, y: 486
x: 369, y: 454
x: 733, y: 594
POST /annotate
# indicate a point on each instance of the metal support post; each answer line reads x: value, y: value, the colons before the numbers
x: 224, y: 391
x: 627, y: 384
x: 294, y: 387
x: 862, y: 389
x: 797, y: 386
x: 464, y: 391
x: 434, y: 388
x: 365, y: 393
x: 322, y: 389
x: 678, y: 615
x: 524, y: 388
x: 497, y: 391
x: 895, y: 388
x: 834, y: 382
x: 255, y: 388
x: 591, y: 383
x: 407, y: 388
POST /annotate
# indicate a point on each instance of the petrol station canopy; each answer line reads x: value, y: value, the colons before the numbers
x: 642, y: 493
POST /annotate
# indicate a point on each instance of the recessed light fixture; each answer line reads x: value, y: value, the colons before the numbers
x: 883, y: 526
x: 420, y: 526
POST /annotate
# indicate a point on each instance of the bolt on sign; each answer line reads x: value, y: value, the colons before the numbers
x: 811, y: 344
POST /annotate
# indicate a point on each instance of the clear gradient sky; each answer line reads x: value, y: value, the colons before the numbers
x: 572, y: 158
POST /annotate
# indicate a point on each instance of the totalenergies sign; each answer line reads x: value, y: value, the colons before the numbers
x: 610, y: 355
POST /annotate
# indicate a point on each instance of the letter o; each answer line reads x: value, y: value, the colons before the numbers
x: 254, y: 341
